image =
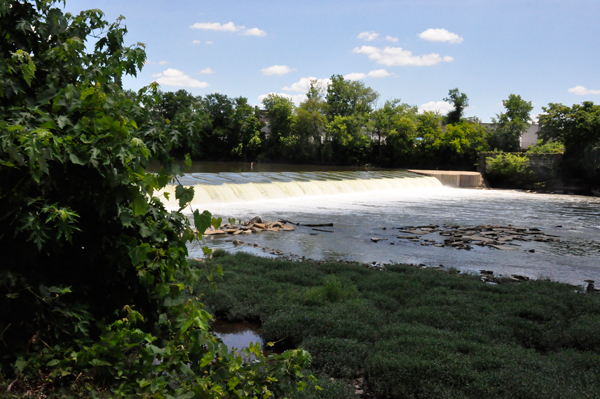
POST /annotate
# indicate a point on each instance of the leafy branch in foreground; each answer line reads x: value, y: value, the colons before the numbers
x: 92, y: 290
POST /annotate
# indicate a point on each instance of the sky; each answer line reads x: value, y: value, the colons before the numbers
x: 415, y: 50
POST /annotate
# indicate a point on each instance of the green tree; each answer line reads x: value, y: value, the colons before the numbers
x: 460, y: 101
x: 456, y: 146
x: 578, y: 128
x: 394, y: 127
x: 92, y: 290
x: 281, y: 142
x: 184, y: 117
x: 311, y: 120
x: 509, y: 126
x: 216, y: 136
x: 246, y: 136
x: 349, y: 98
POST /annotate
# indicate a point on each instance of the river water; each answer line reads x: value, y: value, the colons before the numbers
x: 366, y: 204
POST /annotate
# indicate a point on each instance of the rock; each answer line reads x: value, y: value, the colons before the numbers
x: 255, y: 219
x: 532, y: 250
x: 502, y: 247
x: 260, y: 225
x: 276, y: 224
x: 255, y: 245
x: 237, y: 242
x: 273, y: 229
x: 520, y: 277
x: 214, y: 232
x: 288, y: 227
x: 377, y: 239
x: 257, y: 229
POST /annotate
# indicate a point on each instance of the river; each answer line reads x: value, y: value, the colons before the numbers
x: 366, y: 204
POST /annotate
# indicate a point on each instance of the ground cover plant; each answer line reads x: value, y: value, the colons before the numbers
x: 418, y: 333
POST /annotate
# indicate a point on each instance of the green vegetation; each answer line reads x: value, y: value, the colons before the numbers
x: 420, y: 333
x: 338, y: 124
x: 508, y: 170
x: 578, y: 129
x: 509, y: 126
x: 94, y: 270
x: 550, y: 147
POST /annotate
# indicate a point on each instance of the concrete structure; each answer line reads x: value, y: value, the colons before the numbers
x: 453, y: 178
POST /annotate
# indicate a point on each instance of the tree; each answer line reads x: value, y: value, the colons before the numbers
x: 281, y: 142
x: 348, y: 98
x: 578, y: 128
x: 311, y: 120
x: 460, y: 101
x: 509, y: 126
x: 92, y: 290
x: 395, y: 128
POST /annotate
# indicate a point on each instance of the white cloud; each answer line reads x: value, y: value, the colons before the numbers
x: 379, y: 73
x: 207, y: 70
x: 175, y: 77
x: 440, y: 35
x: 196, y: 42
x: 209, y: 42
x: 163, y: 63
x: 396, y: 56
x: 277, y: 70
x: 582, y: 91
x: 440, y: 106
x: 391, y: 39
x: 368, y: 36
x: 255, y: 32
x: 303, y: 84
x: 355, y: 76
x: 296, y: 98
x: 228, y: 27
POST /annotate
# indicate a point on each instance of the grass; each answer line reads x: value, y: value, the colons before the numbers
x: 418, y: 333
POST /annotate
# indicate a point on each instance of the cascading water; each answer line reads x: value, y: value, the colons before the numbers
x: 218, y: 188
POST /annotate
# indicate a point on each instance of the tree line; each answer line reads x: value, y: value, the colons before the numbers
x: 337, y: 124
x: 342, y: 124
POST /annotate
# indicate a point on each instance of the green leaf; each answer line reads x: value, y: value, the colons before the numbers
x: 184, y: 195
x: 75, y: 159
x: 202, y: 221
x: 216, y: 222
x: 140, y: 205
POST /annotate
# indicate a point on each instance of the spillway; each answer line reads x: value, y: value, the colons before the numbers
x: 214, y: 188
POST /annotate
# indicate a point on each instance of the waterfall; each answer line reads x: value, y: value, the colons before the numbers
x: 211, y: 188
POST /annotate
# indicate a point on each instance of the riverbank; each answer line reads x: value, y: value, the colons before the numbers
x: 403, y: 331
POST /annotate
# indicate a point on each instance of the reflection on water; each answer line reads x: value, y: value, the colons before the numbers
x: 238, y: 335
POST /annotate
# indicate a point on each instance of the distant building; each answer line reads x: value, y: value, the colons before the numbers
x: 530, y: 137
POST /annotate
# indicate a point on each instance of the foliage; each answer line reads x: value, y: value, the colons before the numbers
x: 457, y: 144
x: 550, y: 147
x: 419, y: 332
x: 460, y: 101
x: 508, y: 169
x: 509, y: 126
x: 578, y: 128
x: 349, y: 97
x: 91, y: 294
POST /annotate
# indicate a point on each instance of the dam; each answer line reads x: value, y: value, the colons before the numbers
x: 226, y: 187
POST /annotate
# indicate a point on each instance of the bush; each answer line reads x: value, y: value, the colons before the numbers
x: 550, y: 147
x: 508, y: 169
x: 91, y: 292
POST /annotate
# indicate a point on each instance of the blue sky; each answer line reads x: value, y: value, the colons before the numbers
x: 415, y: 50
